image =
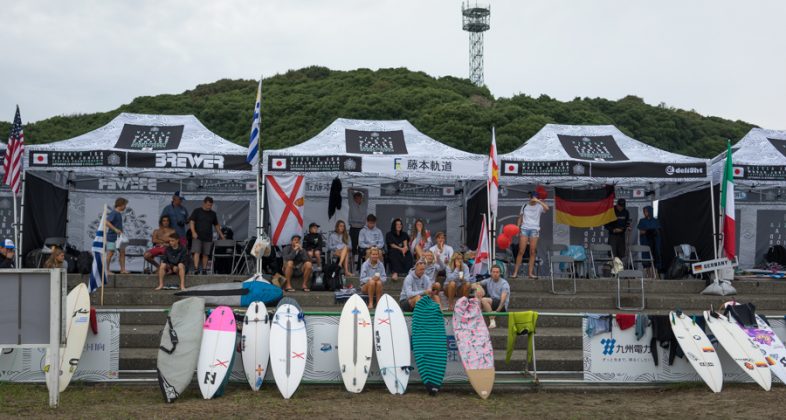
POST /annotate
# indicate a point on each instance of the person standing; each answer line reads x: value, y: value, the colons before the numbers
x: 173, y: 262
x: 529, y: 222
x: 296, y: 263
x: 416, y: 285
x: 114, y: 227
x: 372, y: 277
x: 178, y: 216
x: 618, y: 230
x: 398, y: 249
x: 497, y: 294
x: 368, y: 237
x: 202, y: 222
x: 160, y: 241
x: 358, y: 209
x: 649, y: 234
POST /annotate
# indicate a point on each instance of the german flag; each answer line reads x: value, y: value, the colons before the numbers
x: 585, y: 208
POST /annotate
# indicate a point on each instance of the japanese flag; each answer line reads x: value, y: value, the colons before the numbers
x: 739, y: 172
x: 278, y: 164
x: 510, y: 168
x: 40, y: 159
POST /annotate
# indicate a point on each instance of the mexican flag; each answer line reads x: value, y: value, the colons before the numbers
x: 727, y: 207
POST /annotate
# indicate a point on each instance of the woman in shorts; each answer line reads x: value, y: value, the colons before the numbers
x: 529, y: 221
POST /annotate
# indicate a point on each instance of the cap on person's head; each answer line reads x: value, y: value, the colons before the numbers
x: 9, y: 244
x: 371, y: 218
x: 621, y: 202
x: 313, y: 225
x: 177, y: 195
x: 295, y: 236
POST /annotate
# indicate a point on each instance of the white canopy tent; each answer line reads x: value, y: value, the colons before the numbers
x: 759, y: 167
x: 145, y: 158
x: 398, y: 167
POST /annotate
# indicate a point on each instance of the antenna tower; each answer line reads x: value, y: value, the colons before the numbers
x: 475, y: 20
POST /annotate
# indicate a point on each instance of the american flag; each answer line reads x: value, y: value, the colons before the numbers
x: 12, y: 164
x: 253, y: 140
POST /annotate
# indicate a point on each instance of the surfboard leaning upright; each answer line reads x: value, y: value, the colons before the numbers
x: 355, y: 339
x: 77, y: 320
x: 288, y: 347
x: 391, y: 342
x: 698, y: 349
x: 429, y: 343
x: 255, y: 344
x: 474, y: 345
x: 178, y: 353
x: 217, y: 351
x: 742, y: 350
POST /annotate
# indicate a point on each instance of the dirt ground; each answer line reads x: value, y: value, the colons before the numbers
x: 144, y: 401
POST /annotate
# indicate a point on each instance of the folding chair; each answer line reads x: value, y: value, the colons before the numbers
x: 642, y: 255
x: 225, y: 249
x: 240, y: 263
x: 687, y: 255
x: 629, y: 275
x: 48, y: 244
x: 600, y: 253
x: 136, y: 248
x: 554, y: 257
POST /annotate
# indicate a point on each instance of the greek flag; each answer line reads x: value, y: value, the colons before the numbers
x: 97, y: 271
x: 253, y: 141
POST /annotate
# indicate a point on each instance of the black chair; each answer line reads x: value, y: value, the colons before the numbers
x: 57, y: 241
x: 224, y: 249
x: 641, y: 255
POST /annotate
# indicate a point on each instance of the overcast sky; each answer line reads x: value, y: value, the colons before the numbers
x: 719, y: 57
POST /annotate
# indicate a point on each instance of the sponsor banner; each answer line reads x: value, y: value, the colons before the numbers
x: 406, y: 189
x: 760, y: 173
x: 189, y: 186
x: 149, y: 138
x: 434, y: 167
x: 315, y: 164
x: 376, y: 142
x: 434, y: 217
x: 92, y: 158
x: 619, y: 357
x: 186, y: 160
x: 99, y: 361
x: 592, y: 147
x: 648, y: 170
x: 770, y: 231
x: 544, y: 168
x: 779, y: 145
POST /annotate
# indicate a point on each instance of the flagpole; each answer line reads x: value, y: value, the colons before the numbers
x: 103, y: 254
x: 260, y: 185
x: 16, y: 229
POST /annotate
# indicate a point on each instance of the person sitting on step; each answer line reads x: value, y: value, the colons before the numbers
x: 372, y: 277
x: 497, y: 294
x: 160, y: 240
x: 173, y: 261
x: 296, y: 262
x: 416, y: 285
x: 457, y: 279
x: 313, y: 243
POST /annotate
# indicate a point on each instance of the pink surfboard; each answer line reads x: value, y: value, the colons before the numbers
x: 217, y: 351
x: 474, y: 345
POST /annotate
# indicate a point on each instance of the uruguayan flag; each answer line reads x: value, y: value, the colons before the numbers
x: 253, y: 141
x: 97, y: 272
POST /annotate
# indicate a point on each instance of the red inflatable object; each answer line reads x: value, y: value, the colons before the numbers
x: 511, y: 230
x: 503, y: 241
x: 540, y: 191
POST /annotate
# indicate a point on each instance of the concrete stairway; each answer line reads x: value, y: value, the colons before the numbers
x: 558, y: 339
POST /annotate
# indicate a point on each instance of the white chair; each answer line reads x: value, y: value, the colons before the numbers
x: 628, y: 276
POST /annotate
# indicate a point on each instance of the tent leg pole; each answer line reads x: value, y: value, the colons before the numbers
x: 714, y: 232
x: 16, y: 230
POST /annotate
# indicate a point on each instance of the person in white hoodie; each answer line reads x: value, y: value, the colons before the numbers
x: 442, y: 251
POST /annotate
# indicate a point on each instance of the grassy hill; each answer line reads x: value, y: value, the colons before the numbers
x: 298, y: 104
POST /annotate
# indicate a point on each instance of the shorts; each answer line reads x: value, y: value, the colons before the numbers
x: 405, y: 305
x: 200, y: 247
x: 297, y: 268
x: 530, y: 233
x: 157, y: 251
x: 495, y: 305
x: 111, y: 246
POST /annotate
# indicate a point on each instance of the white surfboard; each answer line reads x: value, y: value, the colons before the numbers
x: 391, y: 338
x: 77, y: 320
x: 698, y: 350
x: 742, y: 350
x: 355, y: 340
x: 255, y: 344
x: 217, y: 351
x: 288, y: 348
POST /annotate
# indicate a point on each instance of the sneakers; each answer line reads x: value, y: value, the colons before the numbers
x: 492, y: 324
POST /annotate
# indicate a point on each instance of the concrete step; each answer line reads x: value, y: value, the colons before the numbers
x: 543, y: 285
x: 547, y: 360
x: 149, y: 336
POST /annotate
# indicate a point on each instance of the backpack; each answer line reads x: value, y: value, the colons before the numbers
x: 84, y: 263
x: 677, y: 270
x: 331, y: 277
x: 776, y: 254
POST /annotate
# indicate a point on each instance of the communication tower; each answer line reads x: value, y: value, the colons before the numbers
x: 475, y: 19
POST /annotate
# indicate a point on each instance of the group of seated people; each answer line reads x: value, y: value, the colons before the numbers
x: 429, y: 266
x: 169, y: 249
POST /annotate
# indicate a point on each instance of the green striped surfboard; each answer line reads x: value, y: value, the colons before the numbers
x: 429, y: 343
